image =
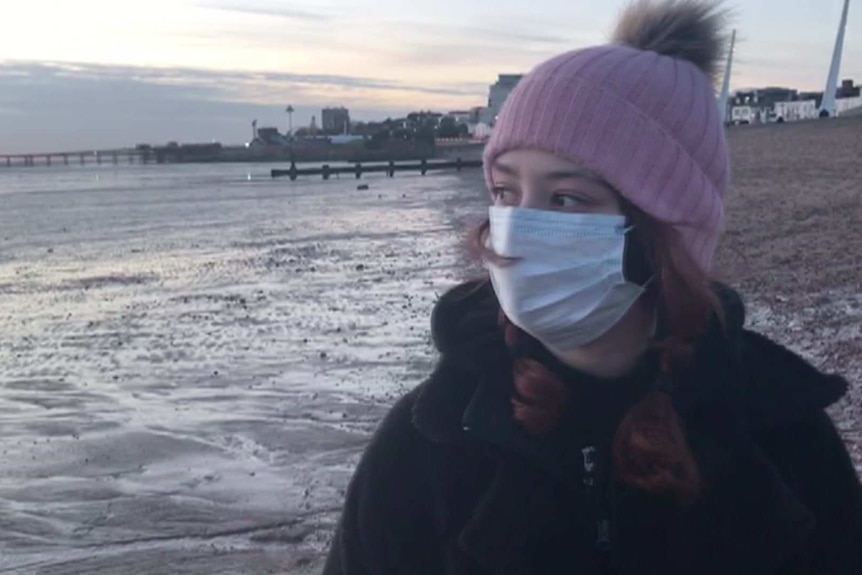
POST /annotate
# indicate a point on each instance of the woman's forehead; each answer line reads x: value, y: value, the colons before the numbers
x: 544, y: 166
x: 541, y: 164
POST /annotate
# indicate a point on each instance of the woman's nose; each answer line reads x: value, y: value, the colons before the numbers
x: 532, y: 198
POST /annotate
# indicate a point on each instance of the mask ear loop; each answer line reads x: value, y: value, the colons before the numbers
x: 649, y: 280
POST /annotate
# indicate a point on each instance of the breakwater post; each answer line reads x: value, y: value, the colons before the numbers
x: 326, y: 171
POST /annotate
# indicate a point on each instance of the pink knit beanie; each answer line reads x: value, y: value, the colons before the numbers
x: 640, y: 112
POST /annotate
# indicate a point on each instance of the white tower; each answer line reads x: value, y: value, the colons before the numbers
x: 725, y: 86
x: 827, y: 109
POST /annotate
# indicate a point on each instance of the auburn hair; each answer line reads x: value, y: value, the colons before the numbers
x: 650, y: 450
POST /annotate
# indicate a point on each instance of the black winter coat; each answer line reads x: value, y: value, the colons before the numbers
x: 450, y: 484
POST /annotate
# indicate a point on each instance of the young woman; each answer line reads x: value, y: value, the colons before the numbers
x: 598, y: 406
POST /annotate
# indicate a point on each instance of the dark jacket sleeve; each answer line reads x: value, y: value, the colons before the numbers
x: 811, y: 456
x: 386, y: 527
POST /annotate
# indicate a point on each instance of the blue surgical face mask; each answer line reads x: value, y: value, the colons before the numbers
x: 564, y: 284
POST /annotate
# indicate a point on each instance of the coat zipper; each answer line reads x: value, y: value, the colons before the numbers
x: 596, y: 495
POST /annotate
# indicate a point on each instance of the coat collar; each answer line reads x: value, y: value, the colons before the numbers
x: 740, y: 381
x: 471, y: 383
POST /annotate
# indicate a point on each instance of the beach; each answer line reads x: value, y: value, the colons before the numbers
x: 192, y: 358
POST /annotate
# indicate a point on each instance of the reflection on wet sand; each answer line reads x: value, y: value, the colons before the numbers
x: 190, y: 370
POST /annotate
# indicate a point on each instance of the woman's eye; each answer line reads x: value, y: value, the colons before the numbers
x: 567, y: 201
x: 505, y: 196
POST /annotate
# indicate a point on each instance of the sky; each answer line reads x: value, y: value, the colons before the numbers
x: 88, y: 74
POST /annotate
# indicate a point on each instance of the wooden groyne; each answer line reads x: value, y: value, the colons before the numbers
x: 389, y: 168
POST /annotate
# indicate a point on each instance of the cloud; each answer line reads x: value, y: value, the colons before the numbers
x: 505, y: 35
x: 479, y: 51
x: 220, y: 85
x: 265, y: 9
x: 440, y: 57
x: 83, y: 106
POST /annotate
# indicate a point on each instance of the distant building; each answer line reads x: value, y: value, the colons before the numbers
x: 335, y: 120
x: 460, y: 116
x: 798, y: 110
x: 772, y: 95
x: 418, y: 119
x: 397, y: 123
x: 844, y: 105
x: 848, y: 90
x: 816, y: 96
x: 267, y: 137
x: 764, y: 97
x: 497, y: 95
x: 480, y: 131
x: 366, y: 129
x: 744, y: 115
x: 762, y: 104
x: 787, y: 105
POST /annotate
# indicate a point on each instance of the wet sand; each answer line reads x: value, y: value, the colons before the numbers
x: 192, y: 367
x: 191, y: 373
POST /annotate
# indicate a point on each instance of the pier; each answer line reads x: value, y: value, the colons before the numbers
x: 170, y: 154
x: 79, y: 158
x: 388, y: 168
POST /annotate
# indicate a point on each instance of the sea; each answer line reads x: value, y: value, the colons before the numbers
x: 192, y: 357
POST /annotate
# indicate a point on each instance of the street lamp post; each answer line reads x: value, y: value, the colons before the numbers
x: 289, y: 111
